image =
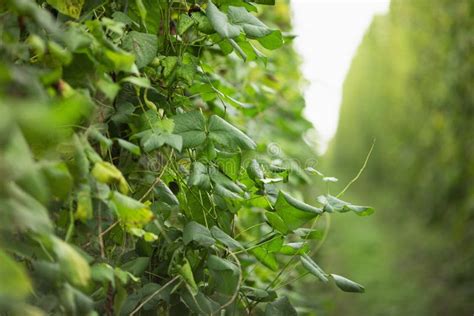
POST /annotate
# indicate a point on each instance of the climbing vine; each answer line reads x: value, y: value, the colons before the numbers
x: 132, y: 177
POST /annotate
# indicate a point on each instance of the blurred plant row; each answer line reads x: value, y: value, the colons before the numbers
x: 410, y: 86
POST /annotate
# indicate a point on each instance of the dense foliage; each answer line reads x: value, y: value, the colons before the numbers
x: 410, y: 86
x: 134, y: 171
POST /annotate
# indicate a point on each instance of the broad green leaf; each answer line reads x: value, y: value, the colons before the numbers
x: 251, y: 25
x: 276, y: 222
x: 194, y: 231
x: 142, y: 45
x: 225, y: 239
x: 293, y: 212
x: 71, y: 8
x: 224, y: 133
x: 131, y: 213
x: 58, y: 179
x: 73, y: 266
x: 137, y: 266
x: 184, y: 23
x: 15, y: 282
x: 220, y: 22
x: 186, y: 272
x: 229, y: 163
x: 333, y: 204
x: 313, y: 268
x: 199, y: 176
x: 131, y: 147
x: 266, y: 257
x: 224, y: 275
x: 259, y: 295
x: 347, y: 285
x: 223, y: 185
x: 202, y: 22
x: 273, y: 40
x: 21, y: 212
x: 200, y: 304
x: 121, y: 61
x: 169, y: 63
x: 151, y: 140
x: 104, y: 273
x: 280, y: 307
x: 191, y: 126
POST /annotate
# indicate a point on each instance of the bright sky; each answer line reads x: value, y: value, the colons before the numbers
x: 328, y: 34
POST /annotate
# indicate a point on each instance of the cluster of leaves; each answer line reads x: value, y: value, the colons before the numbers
x: 126, y: 185
x: 421, y: 171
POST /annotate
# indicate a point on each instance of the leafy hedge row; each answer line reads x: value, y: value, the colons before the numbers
x: 129, y: 182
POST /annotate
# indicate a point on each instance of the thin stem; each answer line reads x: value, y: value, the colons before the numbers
x: 359, y: 173
x: 153, y: 295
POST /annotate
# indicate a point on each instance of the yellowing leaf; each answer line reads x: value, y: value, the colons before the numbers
x: 71, y: 8
x: 131, y: 213
x: 106, y: 172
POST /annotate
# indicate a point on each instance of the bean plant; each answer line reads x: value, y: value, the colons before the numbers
x: 132, y: 177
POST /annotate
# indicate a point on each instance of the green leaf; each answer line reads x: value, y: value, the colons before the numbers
x: 203, y: 23
x: 151, y: 140
x: 199, y: 176
x: 184, y: 23
x: 294, y: 248
x: 254, y: 171
x: 333, y: 204
x: 280, y: 307
x: 194, y: 231
x: 131, y: 213
x: 228, y: 135
x: 265, y: 2
x: 104, y: 273
x: 225, y: 239
x: 141, y: 82
x: 142, y: 45
x: 186, y: 272
x: 137, y: 266
x: 71, y: 8
x: 224, y: 275
x: 229, y: 163
x: 347, y: 285
x: 220, y: 22
x: 276, y: 222
x: 84, y: 209
x: 191, y: 126
x: 293, y: 212
x: 251, y: 25
x: 131, y: 147
x: 223, y: 185
x: 15, y: 282
x: 169, y: 63
x: 273, y: 40
x: 73, y: 266
x: 22, y: 212
x: 313, y: 268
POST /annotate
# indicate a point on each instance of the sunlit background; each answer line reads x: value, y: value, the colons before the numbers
x: 328, y: 33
